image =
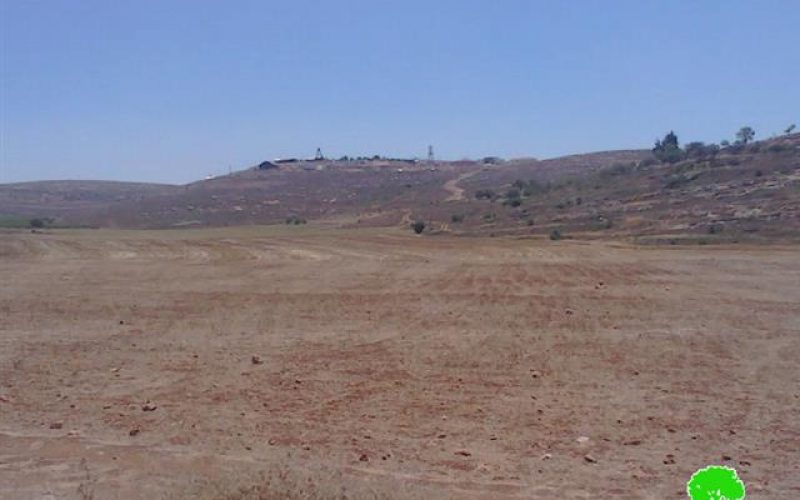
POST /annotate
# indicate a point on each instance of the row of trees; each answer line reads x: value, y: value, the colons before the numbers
x: 668, y: 149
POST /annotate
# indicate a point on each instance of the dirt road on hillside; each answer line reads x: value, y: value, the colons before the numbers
x: 452, y: 187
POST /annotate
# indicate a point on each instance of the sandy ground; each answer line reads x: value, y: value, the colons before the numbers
x: 472, y: 368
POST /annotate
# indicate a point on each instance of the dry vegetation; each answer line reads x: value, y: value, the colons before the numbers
x: 303, y: 362
x: 738, y: 194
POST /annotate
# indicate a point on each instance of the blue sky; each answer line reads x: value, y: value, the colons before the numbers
x: 170, y: 91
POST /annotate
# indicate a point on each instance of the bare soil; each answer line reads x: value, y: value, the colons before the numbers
x: 132, y: 363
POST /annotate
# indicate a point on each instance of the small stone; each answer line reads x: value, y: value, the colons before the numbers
x: 134, y: 432
x: 582, y: 439
x: 464, y: 453
x: 56, y: 425
x: 272, y: 442
x: 569, y: 312
x: 121, y: 322
x: 632, y: 442
x: 148, y: 406
x: 363, y: 458
x: 727, y: 458
x: 590, y: 459
x: 547, y: 456
x: 441, y: 436
x: 256, y: 360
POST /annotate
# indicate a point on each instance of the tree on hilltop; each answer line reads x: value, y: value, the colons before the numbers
x: 745, y: 135
x: 668, y: 150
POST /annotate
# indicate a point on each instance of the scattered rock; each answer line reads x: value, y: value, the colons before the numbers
x: 536, y: 373
x: 272, y: 442
x: 4, y: 399
x: 590, y: 459
x: 121, y: 322
x: 464, y: 453
x: 363, y: 458
x: 632, y: 442
x: 256, y: 360
x: 148, y: 406
x: 569, y: 312
x: 441, y: 436
x: 134, y: 432
x: 669, y: 460
x: 56, y: 425
x: 547, y: 456
x: 582, y: 439
x: 727, y: 458
x: 744, y: 463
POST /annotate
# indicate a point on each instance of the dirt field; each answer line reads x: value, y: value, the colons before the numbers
x: 431, y: 367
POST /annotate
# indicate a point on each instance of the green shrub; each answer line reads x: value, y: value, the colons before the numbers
x: 296, y: 220
x: 701, y: 150
x: 485, y: 194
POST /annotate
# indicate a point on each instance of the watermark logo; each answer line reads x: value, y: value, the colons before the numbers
x: 715, y: 482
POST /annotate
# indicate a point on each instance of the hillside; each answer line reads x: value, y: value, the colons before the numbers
x: 71, y: 200
x: 750, y: 192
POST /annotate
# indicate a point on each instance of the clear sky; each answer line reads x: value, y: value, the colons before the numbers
x: 169, y: 91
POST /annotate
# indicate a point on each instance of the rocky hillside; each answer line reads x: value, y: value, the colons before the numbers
x: 738, y: 193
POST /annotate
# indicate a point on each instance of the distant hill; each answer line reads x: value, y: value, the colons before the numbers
x: 71, y: 200
x: 750, y: 192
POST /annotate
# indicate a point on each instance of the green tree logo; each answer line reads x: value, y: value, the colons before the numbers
x: 715, y: 482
